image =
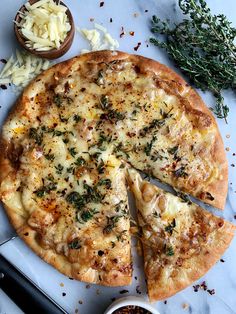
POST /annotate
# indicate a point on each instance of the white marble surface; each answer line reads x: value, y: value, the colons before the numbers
x: 222, y: 277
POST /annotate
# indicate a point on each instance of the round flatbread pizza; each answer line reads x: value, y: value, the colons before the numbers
x: 66, y: 145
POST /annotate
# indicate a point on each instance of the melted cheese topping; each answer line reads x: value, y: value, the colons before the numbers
x: 70, y: 172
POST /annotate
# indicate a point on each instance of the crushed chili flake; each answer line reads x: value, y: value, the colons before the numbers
x: 165, y: 302
x: 211, y: 292
x: 234, y: 154
x: 63, y: 294
x: 235, y: 215
x: 101, y: 4
x: 3, y: 61
x: 146, y: 11
x: 203, y: 286
x: 80, y: 302
x: 185, y: 306
x: 76, y: 311
x: 196, y: 288
x: 222, y: 260
x: 136, y: 278
x: 113, y: 299
x: 2, y: 86
x: 87, y: 286
x: 97, y: 291
x: 71, y: 278
x: 227, y: 149
x: 124, y: 291
x: 232, y: 165
x: 136, y: 14
x: 122, y: 32
x: 111, y: 20
x: 138, y: 291
x: 131, y: 33
x: 137, y: 47
x: 91, y: 19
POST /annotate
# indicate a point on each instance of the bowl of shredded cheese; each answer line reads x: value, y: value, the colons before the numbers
x: 45, y: 28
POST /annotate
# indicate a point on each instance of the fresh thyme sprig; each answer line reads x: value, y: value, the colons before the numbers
x: 203, y: 47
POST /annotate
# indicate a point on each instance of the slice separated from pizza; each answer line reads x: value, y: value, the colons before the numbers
x: 181, y: 241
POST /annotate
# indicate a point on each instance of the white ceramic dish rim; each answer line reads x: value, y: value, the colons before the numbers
x: 137, y: 301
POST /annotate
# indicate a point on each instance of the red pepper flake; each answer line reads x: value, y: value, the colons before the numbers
x: 165, y: 302
x: 122, y: 32
x: 71, y: 278
x: 3, y: 61
x: 196, y: 288
x: 87, y: 286
x: 101, y: 4
x: 63, y: 294
x: 136, y: 14
x: 124, y: 291
x: 235, y: 215
x: 222, y: 260
x: 80, y: 302
x: 111, y: 20
x: 136, y: 278
x: 137, y: 47
x: 138, y: 291
x: 97, y: 291
x: 113, y: 299
x: 203, y: 286
x: 91, y: 19
x: 211, y: 292
x: 146, y: 11
x: 234, y: 154
x: 76, y: 311
x: 232, y: 165
x: 2, y: 86
x: 131, y: 33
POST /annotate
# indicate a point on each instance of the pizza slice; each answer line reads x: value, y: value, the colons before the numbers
x: 181, y: 241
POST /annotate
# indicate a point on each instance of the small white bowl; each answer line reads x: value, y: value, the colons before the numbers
x: 130, y: 301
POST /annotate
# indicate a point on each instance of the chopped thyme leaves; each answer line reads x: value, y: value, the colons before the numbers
x: 50, y: 157
x: 80, y: 161
x: 77, y: 118
x: 106, y: 182
x: 57, y: 100
x: 148, y: 146
x: 57, y: 133
x: 88, y: 214
x: 101, y: 167
x: 169, y: 251
x: 63, y: 119
x: 36, y: 135
x: 104, y: 102
x: 170, y: 227
x: 72, y: 151
x: 59, y: 169
x: 156, y: 214
x: 173, y: 150
x: 100, y: 79
x: 75, y: 244
x: 46, y: 189
x: 111, y: 224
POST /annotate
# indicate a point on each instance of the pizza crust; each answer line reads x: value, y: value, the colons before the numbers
x: 8, y: 166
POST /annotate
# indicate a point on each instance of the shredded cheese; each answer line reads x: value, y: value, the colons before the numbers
x: 99, y: 38
x: 44, y: 25
x: 22, y: 68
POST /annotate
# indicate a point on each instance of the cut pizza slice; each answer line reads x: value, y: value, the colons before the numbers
x: 181, y: 241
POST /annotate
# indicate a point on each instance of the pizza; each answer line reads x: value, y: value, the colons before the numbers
x: 181, y: 241
x: 66, y: 145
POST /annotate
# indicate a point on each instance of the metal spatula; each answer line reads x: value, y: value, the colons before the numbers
x: 21, y: 289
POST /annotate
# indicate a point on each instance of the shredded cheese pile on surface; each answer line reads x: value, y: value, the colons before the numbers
x: 22, y: 68
x: 99, y: 38
x: 44, y: 24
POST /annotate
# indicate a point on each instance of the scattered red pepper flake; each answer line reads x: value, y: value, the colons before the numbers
x: 122, y: 32
x: 138, y: 291
x: 101, y: 4
x: 211, y: 292
x: 136, y: 14
x: 136, y: 278
x: 131, y: 33
x: 196, y: 288
x: 124, y: 291
x: 222, y: 260
x: 165, y: 302
x: 234, y: 154
x: 232, y: 165
x: 76, y: 311
x: 113, y: 299
x: 111, y: 20
x: 87, y: 286
x: 185, y: 306
x: 3, y: 61
x: 137, y: 47
x: 63, y: 294
x: 97, y: 291
x: 80, y: 302
x: 203, y: 286
x: 145, y: 11
x: 2, y: 86
x: 91, y: 19
x: 235, y: 215
x: 227, y: 149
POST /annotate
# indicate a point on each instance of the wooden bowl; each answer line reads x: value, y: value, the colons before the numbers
x: 49, y: 54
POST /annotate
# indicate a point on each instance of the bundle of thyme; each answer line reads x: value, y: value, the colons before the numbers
x: 203, y: 47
